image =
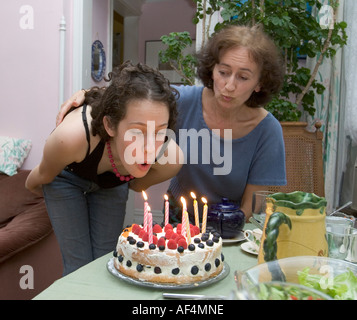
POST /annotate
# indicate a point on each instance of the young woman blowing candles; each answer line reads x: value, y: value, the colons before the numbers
x: 240, y: 146
x: 86, y: 166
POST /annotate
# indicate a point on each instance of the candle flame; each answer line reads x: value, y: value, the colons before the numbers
x: 193, y: 195
x: 204, y: 200
x: 149, y: 209
x: 166, y: 197
x: 144, y: 195
x: 183, y: 201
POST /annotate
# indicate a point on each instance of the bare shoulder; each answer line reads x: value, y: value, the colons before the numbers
x: 69, y: 138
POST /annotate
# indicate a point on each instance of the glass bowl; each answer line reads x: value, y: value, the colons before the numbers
x: 276, y: 290
x: 333, y: 278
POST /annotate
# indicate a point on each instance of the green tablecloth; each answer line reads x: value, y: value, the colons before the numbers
x: 94, y: 281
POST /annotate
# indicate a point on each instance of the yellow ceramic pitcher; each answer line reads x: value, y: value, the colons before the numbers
x: 294, y: 226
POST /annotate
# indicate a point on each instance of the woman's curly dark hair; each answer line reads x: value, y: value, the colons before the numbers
x: 262, y: 50
x: 129, y: 82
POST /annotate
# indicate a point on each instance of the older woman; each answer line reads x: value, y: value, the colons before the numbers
x: 223, y: 124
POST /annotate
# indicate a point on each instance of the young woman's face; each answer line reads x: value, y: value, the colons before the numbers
x: 140, y: 135
x: 235, y: 77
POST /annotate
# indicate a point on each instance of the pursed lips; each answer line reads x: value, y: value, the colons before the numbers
x: 226, y: 98
x: 144, y: 166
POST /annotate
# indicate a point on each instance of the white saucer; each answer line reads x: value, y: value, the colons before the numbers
x: 238, y: 238
x: 248, y: 247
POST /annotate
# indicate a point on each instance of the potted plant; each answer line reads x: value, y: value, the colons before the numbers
x: 183, y: 64
x: 294, y: 29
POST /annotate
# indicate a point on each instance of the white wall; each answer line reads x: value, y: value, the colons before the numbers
x: 162, y: 17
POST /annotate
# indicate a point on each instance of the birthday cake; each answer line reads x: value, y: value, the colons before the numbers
x: 168, y: 254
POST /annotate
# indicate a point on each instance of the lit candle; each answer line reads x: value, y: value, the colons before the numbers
x: 188, y: 232
x: 145, y: 211
x: 204, y: 217
x: 166, y: 209
x: 150, y: 239
x: 195, y: 208
x: 183, y: 222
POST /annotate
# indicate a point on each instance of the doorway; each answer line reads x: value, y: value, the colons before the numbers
x: 118, y: 39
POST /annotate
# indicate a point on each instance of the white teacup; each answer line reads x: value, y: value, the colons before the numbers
x: 253, y: 237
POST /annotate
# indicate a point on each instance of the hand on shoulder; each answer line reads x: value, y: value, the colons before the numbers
x: 75, y: 101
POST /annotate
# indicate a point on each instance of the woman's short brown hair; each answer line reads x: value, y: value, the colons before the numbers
x: 262, y: 50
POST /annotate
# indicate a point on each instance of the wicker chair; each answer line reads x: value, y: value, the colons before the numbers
x: 304, y: 163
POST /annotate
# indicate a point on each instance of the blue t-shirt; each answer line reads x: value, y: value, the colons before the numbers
x: 217, y: 167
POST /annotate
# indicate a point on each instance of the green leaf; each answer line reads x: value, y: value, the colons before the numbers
x: 291, y: 26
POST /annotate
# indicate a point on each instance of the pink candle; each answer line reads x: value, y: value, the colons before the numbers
x: 183, y: 222
x: 195, y: 209
x: 150, y: 240
x: 145, y: 224
x: 188, y: 232
x: 166, y: 209
x: 204, y: 217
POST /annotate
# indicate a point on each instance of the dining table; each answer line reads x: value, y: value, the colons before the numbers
x: 95, y: 282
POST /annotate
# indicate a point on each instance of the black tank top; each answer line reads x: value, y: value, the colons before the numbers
x: 88, y: 168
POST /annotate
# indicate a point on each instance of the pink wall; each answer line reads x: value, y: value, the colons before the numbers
x: 100, y: 29
x: 30, y: 71
x: 158, y: 19
x: 29, y: 84
x: 68, y: 73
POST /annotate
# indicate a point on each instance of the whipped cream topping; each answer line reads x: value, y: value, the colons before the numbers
x: 200, y: 260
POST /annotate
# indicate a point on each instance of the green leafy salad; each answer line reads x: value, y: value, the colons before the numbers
x: 275, y: 291
x: 340, y: 287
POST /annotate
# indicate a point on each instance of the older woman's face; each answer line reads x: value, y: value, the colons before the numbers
x: 235, y: 78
